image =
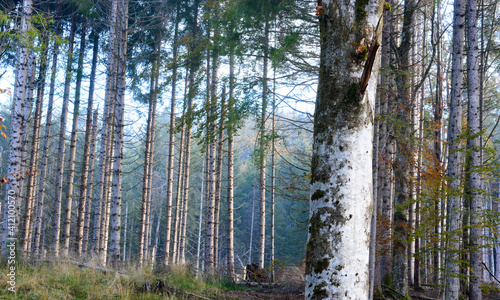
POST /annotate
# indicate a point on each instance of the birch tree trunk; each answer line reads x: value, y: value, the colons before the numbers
x: 13, y: 186
x: 61, y: 144
x: 337, y: 261
x: 452, y: 283
x: 72, y: 151
x: 474, y: 146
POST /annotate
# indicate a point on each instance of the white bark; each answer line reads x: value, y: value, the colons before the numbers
x: 341, y: 204
x: 13, y: 187
x: 474, y: 126
x: 452, y: 284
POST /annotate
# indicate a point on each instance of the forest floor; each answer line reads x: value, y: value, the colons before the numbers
x: 66, y: 280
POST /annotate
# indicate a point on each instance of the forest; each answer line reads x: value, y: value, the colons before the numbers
x: 250, y: 149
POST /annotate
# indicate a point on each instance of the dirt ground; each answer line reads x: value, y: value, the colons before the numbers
x: 288, y: 292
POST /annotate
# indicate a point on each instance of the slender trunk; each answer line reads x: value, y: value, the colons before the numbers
x: 250, y: 242
x: 124, y: 255
x: 421, y: 40
x: 72, y: 151
x: 90, y: 184
x: 452, y: 283
x: 171, y: 143
x: 157, y: 235
x: 101, y: 196
x: 61, y: 144
x: 273, y: 173
x: 35, y: 142
x: 189, y: 123
x: 116, y: 187
x: 230, y: 170
x: 210, y: 157
x: 45, y: 144
x: 147, y: 173
x: 262, y: 153
x: 200, y: 221
x: 474, y: 131
x: 82, y: 205
x: 385, y: 178
x: 180, y: 176
x: 404, y: 156
x: 26, y: 206
x: 218, y: 178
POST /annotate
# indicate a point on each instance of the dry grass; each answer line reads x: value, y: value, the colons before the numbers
x: 64, y: 280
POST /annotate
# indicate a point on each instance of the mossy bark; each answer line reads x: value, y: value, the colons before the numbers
x: 341, y: 183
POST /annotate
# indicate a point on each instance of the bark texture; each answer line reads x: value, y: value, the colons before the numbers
x: 341, y: 204
x: 452, y: 283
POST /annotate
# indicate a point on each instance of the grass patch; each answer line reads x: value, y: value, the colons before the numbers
x: 64, y: 280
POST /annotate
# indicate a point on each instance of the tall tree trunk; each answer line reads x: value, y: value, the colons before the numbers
x: 72, y: 151
x: 61, y: 144
x: 35, y: 142
x: 116, y: 203
x: 101, y: 196
x: 180, y: 177
x: 230, y: 169
x: 262, y: 153
x: 341, y: 183
x: 404, y: 153
x: 90, y: 184
x: 473, y: 147
x: 171, y: 142
x: 124, y: 255
x: 386, y: 145
x: 144, y: 229
x: 452, y: 283
x: 84, y: 191
x: 421, y: 40
x: 189, y: 124
x: 218, y: 176
x: 210, y: 144
x: 46, y: 142
x: 200, y: 221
